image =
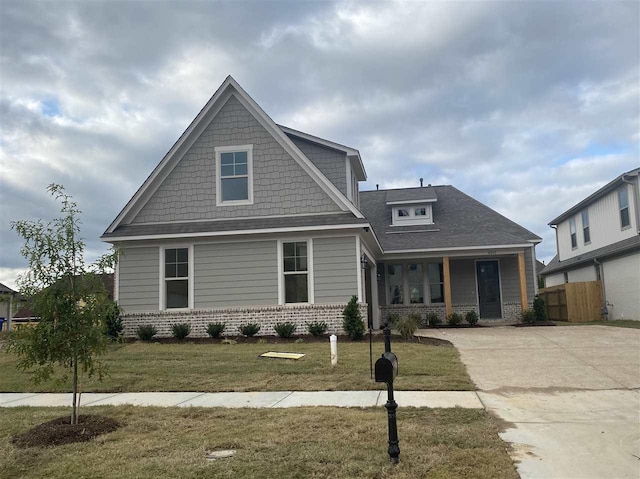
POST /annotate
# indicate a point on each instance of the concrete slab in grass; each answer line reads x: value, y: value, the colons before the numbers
x: 464, y: 399
x: 55, y: 400
x: 9, y: 397
x: 330, y: 398
x: 147, y: 399
x: 237, y: 399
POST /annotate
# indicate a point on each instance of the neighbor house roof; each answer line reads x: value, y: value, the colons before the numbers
x: 459, y: 221
x: 250, y: 225
x: 612, y: 185
x: 6, y: 289
x: 411, y: 195
x: 615, y: 249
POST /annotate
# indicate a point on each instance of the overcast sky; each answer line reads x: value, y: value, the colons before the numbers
x: 527, y: 106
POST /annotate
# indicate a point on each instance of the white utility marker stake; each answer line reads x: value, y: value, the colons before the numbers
x: 333, y: 339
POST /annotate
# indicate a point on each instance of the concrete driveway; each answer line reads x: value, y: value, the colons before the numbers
x: 569, y: 395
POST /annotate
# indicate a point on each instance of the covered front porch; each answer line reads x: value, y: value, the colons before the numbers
x: 497, y: 284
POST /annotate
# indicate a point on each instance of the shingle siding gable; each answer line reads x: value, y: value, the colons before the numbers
x: 280, y: 185
x: 330, y: 162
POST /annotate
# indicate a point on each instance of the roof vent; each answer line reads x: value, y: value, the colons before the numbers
x: 377, y: 186
x: 421, y: 180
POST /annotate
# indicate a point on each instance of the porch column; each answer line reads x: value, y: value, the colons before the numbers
x: 523, y: 282
x: 375, y: 310
x: 447, y: 285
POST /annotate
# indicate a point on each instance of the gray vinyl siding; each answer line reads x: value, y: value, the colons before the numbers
x: 463, y: 281
x: 235, y: 274
x: 330, y: 162
x: 334, y: 269
x: 510, y: 278
x: 139, y: 279
x: 280, y: 184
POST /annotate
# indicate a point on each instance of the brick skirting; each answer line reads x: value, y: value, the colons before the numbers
x: 266, y: 317
x: 510, y: 311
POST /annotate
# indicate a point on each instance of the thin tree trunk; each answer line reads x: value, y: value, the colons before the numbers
x: 74, y: 412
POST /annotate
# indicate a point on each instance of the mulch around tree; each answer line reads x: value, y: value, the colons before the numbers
x: 537, y: 323
x: 59, y: 431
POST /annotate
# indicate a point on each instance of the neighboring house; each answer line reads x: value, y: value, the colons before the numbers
x: 599, y: 239
x: 8, y: 299
x: 248, y: 221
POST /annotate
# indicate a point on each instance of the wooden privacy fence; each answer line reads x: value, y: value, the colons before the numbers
x: 573, y: 302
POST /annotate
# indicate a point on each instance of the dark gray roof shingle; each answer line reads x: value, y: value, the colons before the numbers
x: 426, y: 193
x: 619, y: 248
x: 459, y: 221
x: 234, y: 225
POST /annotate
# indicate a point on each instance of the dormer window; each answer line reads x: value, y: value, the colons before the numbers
x: 412, y: 215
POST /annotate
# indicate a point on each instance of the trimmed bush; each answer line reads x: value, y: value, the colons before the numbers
x: 285, y: 330
x: 539, y: 309
x: 454, y: 319
x: 352, y: 322
x: 528, y: 316
x: 180, y: 330
x: 471, y: 317
x: 215, y: 330
x: 433, y: 319
x: 408, y: 326
x: 249, y: 329
x: 113, y: 322
x: 317, y: 328
x: 146, y: 332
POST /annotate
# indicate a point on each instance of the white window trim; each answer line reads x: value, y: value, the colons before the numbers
x: 233, y: 149
x: 575, y: 232
x: 406, y: 295
x: 582, y: 213
x: 412, y: 220
x: 281, y: 273
x: 162, y: 305
x: 620, y: 208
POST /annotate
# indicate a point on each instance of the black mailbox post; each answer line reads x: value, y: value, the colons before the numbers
x: 386, y: 371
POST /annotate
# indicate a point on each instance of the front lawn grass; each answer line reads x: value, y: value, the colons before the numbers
x: 236, y: 367
x: 618, y: 323
x: 270, y: 443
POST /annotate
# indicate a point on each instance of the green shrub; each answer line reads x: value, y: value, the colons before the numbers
x: 181, y: 330
x: 433, y: 319
x: 528, y: 316
x: 471, y: 317
x: 249, y: 329
x: 113, y: 322
x: 407, y: 326
x: 285, y: 330
x: 539, y: 309
x: 146, y: 332
x: 317, y: 328
x: 454, y: 319
x: 215, y: 330
x: 352, y: 322
x: 393, y: 320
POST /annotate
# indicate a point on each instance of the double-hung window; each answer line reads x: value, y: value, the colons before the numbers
x: 572, y: 231
x: 234, y: 173
x: 176, y: 278
x: 623, y: 203
x: 435, y: 275
x: 586, y: 234
x: 295, y: 256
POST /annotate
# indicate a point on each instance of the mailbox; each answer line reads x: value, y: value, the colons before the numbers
x: 386, y: 368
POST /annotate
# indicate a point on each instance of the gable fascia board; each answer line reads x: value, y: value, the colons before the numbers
x: 307, y: 165
x: 351, y: 153
x: 295, y: 229
x: 460, y: 248
x: 410, y: 202
x: 216, y: 102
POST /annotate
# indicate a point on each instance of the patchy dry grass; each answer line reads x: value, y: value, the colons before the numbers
x: 618, y: 323
x: 275, y: 443
x: 237, y: 367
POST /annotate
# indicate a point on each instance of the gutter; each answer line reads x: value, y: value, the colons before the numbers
x: 636, y: 198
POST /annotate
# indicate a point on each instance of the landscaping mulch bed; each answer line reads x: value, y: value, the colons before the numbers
x: 450, y: 326
x: 376, y: 338
x: 537, y: 323
x: 59, y: 431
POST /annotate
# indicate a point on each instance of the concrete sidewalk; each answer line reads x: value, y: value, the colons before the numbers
x: 276, y: 399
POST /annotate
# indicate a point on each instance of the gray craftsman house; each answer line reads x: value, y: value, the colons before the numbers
x: 245, y: 221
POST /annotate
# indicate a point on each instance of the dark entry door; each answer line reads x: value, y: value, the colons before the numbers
x: 489, y: 289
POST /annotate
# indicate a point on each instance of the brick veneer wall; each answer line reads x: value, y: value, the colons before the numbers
x: 510, y: 311
x: 266, y: 317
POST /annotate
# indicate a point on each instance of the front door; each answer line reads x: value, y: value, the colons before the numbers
x: 489, y: 289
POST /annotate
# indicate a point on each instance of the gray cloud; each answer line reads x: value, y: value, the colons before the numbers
x: 528, y: 106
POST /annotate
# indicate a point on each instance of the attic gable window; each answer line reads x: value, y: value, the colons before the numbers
x: 234, y: 175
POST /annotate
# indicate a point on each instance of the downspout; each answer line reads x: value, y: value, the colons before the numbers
x: 604, y: 312
x: 636, y: 198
